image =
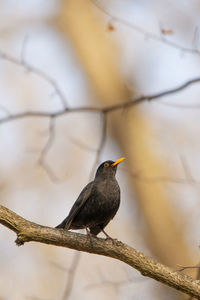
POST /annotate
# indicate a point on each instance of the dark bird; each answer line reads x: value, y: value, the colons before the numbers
x: 98, y: 202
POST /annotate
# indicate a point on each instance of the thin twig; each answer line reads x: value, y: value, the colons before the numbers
x: 148, y: 34
x: 82, y: 145
x: 159, y: 179
x: 115, y: 284
x: 71, y: 274
x: 21, y: 63
x: 104, y: 111
x: 186, y: 168
x: 45, y: 150
x: 101, y: 144
x: 197, y: 278
x: 182, y: 268
x: 49, y: 142
x: 24, y: 43
x: 181, y: 106
x: 152, y: 96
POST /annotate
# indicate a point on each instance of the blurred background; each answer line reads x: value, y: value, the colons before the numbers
x: 76, y: 54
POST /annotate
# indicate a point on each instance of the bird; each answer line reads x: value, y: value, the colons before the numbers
x: 98, y: 202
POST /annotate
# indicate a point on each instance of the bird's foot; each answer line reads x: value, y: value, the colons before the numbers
x: 90, y: 235
x: 109, y: 238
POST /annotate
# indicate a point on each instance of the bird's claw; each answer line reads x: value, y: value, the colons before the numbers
x: 90, y: 235
x: 114, y: 241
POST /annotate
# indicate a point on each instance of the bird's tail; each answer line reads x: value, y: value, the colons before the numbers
x: 65, y: 224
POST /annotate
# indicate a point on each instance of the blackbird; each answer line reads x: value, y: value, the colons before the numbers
x: 98, y: 202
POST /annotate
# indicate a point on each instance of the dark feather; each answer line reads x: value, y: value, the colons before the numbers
x: 98, y: 202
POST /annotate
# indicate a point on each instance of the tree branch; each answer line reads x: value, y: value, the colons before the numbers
x: 28, y: 231
x: 21, y: 63
x: 146, y: 33
x: 104, y: 110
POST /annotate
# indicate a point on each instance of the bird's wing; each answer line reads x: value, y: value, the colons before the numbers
x: 82, y: 198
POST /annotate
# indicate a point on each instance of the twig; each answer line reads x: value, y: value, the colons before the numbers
x: 21, y: 63
x: 186, y: 169
x: 71, y: 275
x: 182, y: 268
x: 46, y: 149
x: 197, y: 278
x: 101, y: 144
x: 104, y: 110
x: 28, y: 231
x: 24, y: 43
x: 148, y: 34
x: 5, y: 110
x: 82, y: 145
x: 115, y: 284
x: 156, y: 179
x: 190, y: 106
x: 152, y: 96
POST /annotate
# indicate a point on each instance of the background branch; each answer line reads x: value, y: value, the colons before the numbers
x: 145, y: 32
x: 78, y: 79
x: 104, y: 110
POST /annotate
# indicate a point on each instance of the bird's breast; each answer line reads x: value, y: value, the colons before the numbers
x: 107, y: 187
x: 108, y: 193
x: 102, y: 204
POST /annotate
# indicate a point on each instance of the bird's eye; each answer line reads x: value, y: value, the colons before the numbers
x: 106, y: 164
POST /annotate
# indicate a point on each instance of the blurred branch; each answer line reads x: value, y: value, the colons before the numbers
x: 192, y: 106
x: 71, y: 275
x: 197, y: 278
x: 145, y: 32
x: 101, y: 144
x: 161, y: 179
x: 47, y: 146
x: 74, y: 265
x: 115, y: 284
x: 182, y: 268
x: 105, y: 110
x: 28, y: 231
x: 22, y: 63
x: 171, y: 179
x: 24, y: 43
x: 73, y: 269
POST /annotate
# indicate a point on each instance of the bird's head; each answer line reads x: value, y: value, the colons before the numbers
x: 108, y: 168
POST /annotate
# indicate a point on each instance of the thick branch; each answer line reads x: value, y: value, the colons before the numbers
x: 29, y: 231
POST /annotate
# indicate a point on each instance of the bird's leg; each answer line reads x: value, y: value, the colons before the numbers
x: 108, y: 237
x: 89, y: 235
x: 87, y: 231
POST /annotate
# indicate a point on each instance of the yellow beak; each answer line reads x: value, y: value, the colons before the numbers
x: 118, y: 161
